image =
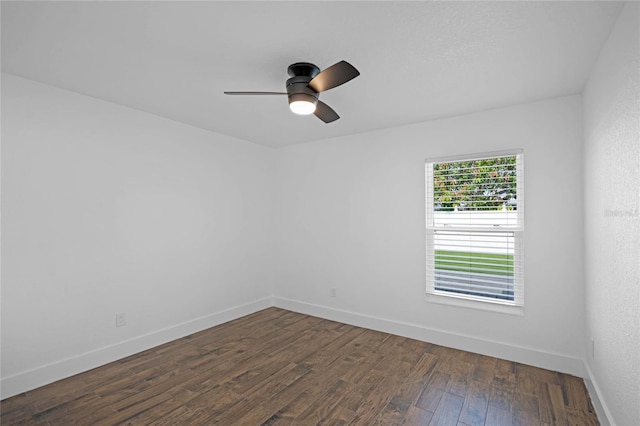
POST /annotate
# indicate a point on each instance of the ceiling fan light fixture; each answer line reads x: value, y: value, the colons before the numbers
x: 305, y: 85
x: 302, y: 107
x: 302, y: 103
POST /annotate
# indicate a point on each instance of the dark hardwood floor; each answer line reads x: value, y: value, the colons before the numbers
x: 277, y: 367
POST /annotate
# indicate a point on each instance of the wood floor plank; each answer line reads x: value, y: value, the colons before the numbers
x: 497, y: 415
x: 377, y: 399
x: 574, y: 393
x: 138, y: 407
x: 416, y: 416
x: 176, y: 416
x: 484, y: 370
x: 527, y: 383
x: 460, y: 376
x: 448, y: 410
x: 373, y: 403
x: 252, y: 407
x: 503, y: 391
x: 417, y: 378
x: 58, y: 393
x: 169, y: 407
x: 318, y: 411
x: 17, y: 410
x: 75, y: 409
x: 545, y: 409
x: 474, y: 409
x: 354, y: 400
x: 277, y: 367
x: 407, y: 394
x: 333, y: 350
x: 433, y: 391
x: 577, y: 417
x: 394, y: 412
x: 526, y: 411
x: 557, y: 404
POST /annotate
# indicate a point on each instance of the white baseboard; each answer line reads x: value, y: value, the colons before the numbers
x: 43, y: 375
x: 46, y: 374
x: 548, y: 360
x: 604, y: 415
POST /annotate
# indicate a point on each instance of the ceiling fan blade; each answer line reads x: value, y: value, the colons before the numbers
x: 325, y: 113
x: 255, y: 93
x: 334, y: 76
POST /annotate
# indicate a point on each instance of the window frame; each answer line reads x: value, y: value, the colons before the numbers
x: 476, y: 301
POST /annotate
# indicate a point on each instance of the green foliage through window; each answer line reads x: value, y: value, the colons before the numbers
x: 486, y: 184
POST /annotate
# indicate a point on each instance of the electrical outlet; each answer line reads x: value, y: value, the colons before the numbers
x: 333, y: 292
x: 121, y: 319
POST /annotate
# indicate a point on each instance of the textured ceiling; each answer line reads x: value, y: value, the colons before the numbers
x: 418, y: 60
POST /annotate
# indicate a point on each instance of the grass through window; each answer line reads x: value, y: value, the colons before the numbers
x: 471, y: 262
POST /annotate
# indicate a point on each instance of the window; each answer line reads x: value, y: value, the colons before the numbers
x: 475, y: 224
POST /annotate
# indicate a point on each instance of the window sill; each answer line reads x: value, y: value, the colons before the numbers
x: 464, y: 302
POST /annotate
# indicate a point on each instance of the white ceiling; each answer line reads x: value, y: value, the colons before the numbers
x: 418, y: 60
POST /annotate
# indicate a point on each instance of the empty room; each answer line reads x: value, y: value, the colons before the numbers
x: 331, y: 212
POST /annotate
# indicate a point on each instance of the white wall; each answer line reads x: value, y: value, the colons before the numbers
x: 351, y: 216
x: 612, y: 220
x: 106, y: 209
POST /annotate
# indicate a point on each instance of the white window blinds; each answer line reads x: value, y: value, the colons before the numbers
x: 475, y: 223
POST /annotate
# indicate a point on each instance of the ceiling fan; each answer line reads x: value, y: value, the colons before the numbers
x: 306, y: 84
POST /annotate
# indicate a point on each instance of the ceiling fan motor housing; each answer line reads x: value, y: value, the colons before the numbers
x: 297, y: 90
x: 303, y: 69
x: 297, y: 86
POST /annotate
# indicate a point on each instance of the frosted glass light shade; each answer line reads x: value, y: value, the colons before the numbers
x: 302, y: 107
x: 303, y: 103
